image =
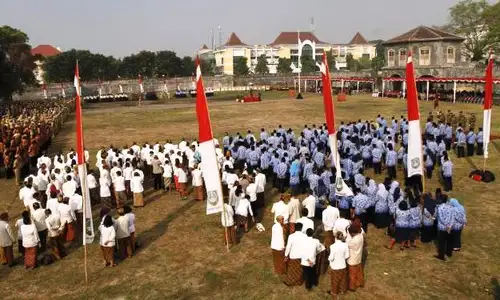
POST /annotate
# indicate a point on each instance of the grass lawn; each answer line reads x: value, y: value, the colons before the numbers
x: 183, y: 256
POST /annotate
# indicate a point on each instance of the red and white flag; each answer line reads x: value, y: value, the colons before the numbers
x: 141, y: 85
x: 488, y: 104
x: 341, y: 187
x: 209, y: 164
x: 88, y: 228
x: 415, y: 157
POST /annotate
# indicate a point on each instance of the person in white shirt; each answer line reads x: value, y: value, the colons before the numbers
x: 197, y: 183
x: 260, y: 182
x: 167, y: 175
x: 310, y: 203
x: 339, y: 252
x: 92, y: 185
x: 182, y: 181
x: 128, y: 173
x: 281, y: 209
x: 7, y: 240
x: 69, y: 187
x: 227, y: 220
x: 38, y: 217
x: 20, y: 248
x: 131, y: 225
x: 294, y: 252
x: 68, y: 218
x: 55, y: 240
x: 30, y: 241
x: 43, y: 182
x: 242, y: 210
x: 123, y: 234
x: 119, y: 186
x: 306, y: 222
x: 355, y: 242
x: 107, y: 240
x: 105, y: 192
x: 252, y: 192
x: 341, y: 225
x: 278, y: 245
x: 137, y: 189
x: 26, y: 193
x: 294, y: 212
x: 231, y: 178
x: 312, y: 249
x: 329, y: 217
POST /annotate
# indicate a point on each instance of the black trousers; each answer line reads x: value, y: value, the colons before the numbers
x: 470, y: 149
x: 448, y: 144
x: 310, y: 277
x: 377, y: 167
x: 448, y: 183
x: 429, y: 172
x: 391, y: 171
x: 281, y: 185
x: 480, y: 149
x: 157, y: 181
x: 461, y: 151
x: 43, y: 239
x: 445, y: 244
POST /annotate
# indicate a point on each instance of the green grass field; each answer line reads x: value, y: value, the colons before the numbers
x: 183, y: 255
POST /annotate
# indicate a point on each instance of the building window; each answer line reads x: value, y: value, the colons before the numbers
x: 342, y: 52
x: 450, y: 55
x: 391, y: 58
x: 402, y: 57
x: 424, y: 58
x: 222, y: 60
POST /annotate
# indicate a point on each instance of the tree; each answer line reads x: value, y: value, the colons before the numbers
x: 284, y: 66
x: 169, y: 64
x: 261, y: 67
x: 467, y: 19
x: 208, y: 66
x: 377, y: 63
x: 364, y: 63
x: 308, y: 64
x: 188, y: 66
x: 240, y: 65
x: 16, y: 62
x: 352, y: 64
x: 492, y: 20
x: 331, y: 61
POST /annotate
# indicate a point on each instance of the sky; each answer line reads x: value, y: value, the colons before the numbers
x: 123, y: 27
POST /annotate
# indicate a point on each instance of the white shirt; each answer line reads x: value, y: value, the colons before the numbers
x: 339, y: 252
x: 119, y: 184
x: 108, y: 235
x: 53, y: 224
x: 252, y: 191
x: 128, y: 173
x: 260, y: 181
x: 131, y: 222
x: 26, y: 195
x: 355, y: 245
x: 43, y: 181
x: 18, y: 225
x: 227, y: 217
x: 76, y: 202
x: 341, y: 225
x: 280, y: 209
x: 30, y: 236
x: 277, y: 238
x: 104, y: 187
x: 311, y: 248
x: 306, y: 223
x: 121, y: 227
x: 136, y: 185
x: 181, y: 176
x: 6, y: 235
x: 53, y: 205
x: 310, y: 204
x: 330, y: 216
x: 197, y: 177
x: 66, y: 214
x: 295, y: 245
x: 231, y: 178
x: 69, y: 188
x: 39, y: 219
x: 91, y: 181
x: 167, y: 170
x: 243, y: 208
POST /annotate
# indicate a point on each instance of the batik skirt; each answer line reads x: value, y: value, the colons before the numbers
x: 338, y: 280
x: 356, y: 276
x: 30, y: 257
x: 294, y: 273
x: 279, y: 262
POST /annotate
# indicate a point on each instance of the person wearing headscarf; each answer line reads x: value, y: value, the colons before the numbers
x: 31, y: 241
x: 7, y: 240
x: 371, y: 192
x: 339, y: 253
x: 458, y: 225
x: 402, y: 225
x: 445, y: 217
x: 415, y: 221
x: 382, y: 218
x: 428, y: 233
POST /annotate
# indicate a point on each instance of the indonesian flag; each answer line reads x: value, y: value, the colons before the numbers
x: 100, y: 88
x: 209, y: 165
x: 341, y: 187
x: 141, y: 86
x: 88, y: 228
x: 44, y: 88
x: 488, y: 103
x: 414, y: 163
x: 121, y: 89
x: 63, y: 92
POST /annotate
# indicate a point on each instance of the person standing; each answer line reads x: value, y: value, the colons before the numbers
x: 252, y: 192
x: 105, y: 192
x: 55, y: 239
x: 390, y: 161
x: 447, y: 172
x: 38, y: 216
x: 329, y: 217
x: 197, y: 183
x: 227, y: 220
x: 92, y: 185
x: 294, y: 212
x: 293, y: 257
x: 339, y: 253
x: 120, y: 190
x: 167, y: 176
x: 281, y: 209
x: 30, y: 241
x: 459, y: 222
x: 480, y: 141
x: 7, y: 240
x: 107, y: 240
x: 68, y: 218
x: 445, y: 217
x: 260, y: 182
x: 355, y: 242
x: 402, y: 225
x: 278, y: 232
x: 182, y: 181
x: 243, y: 208
x: 131, y: 226
x: 157, y: 171
x: 123, y: 234
x: 471, y: 141
x: 312, y: 249
x: 137, y: 189
x: 382, y: 217
x: 310, y: 203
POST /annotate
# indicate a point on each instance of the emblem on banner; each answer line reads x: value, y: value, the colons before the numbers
x: 212, y: 198
x: 415, y: 163
x: 338, y: 184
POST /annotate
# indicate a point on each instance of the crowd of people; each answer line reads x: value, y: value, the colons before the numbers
x: 26, y: 129
x: 299, y: 164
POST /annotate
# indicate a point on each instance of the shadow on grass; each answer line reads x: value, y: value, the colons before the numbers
x: 149, y: 236
x: 496, y: 288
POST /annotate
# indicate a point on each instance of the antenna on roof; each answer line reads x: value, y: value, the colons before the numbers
x: 220, y: 36
x: 212, y: 38
x: 312, y: 25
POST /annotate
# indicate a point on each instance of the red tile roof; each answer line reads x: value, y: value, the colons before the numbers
x: 45, y: 50
x: 234, y: 40
x: 424, y: 34
x: 291, y: 38
x: 358, y: 39
x: 204, y: 47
